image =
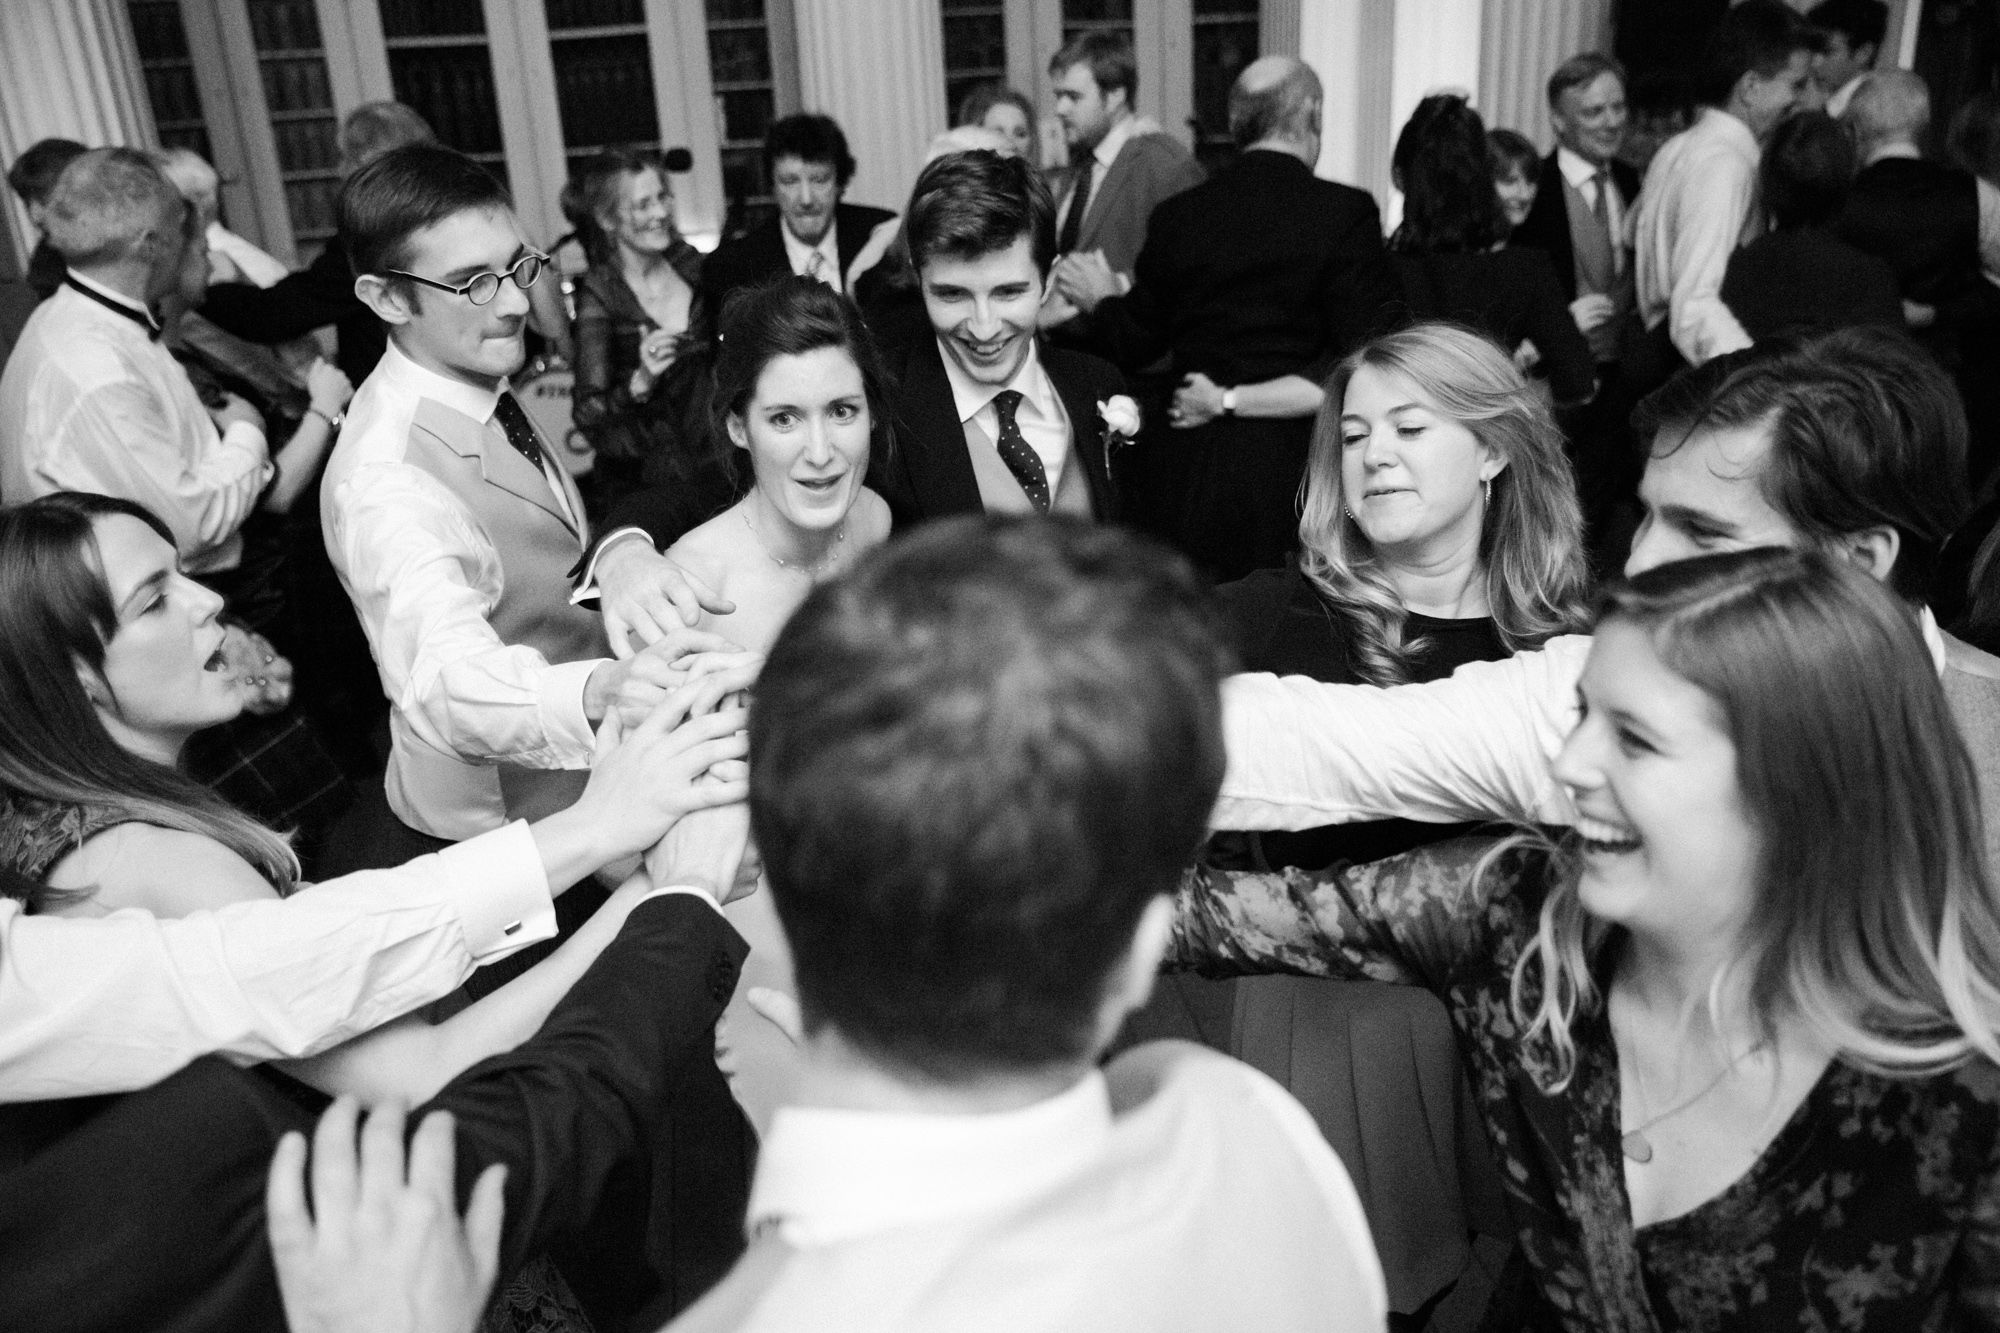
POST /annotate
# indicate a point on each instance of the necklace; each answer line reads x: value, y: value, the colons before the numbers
x: 1634, y: 1141
x: 811, y: 569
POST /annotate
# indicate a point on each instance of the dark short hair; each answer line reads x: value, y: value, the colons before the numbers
x: 789, y: 316
x: 1109, y: 56
x: 974, y: 760
x: 969, y: 204
x: 1446, y: 174
x: 1511, y: 152
x: 1581, y: 70
x: 1756, y: 36
x: 34, y: 172
x: 1866, y: 430
x: 1973, y: 141
x: 1861, y: 22
x: 810, y: 138
x: 1807, y: 168
x: 404, y: 191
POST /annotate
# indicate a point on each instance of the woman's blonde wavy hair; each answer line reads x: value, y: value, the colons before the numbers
x: 1875, y: 922
x: 1532, y: 543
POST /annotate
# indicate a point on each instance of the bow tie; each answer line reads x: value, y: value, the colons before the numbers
x: 145, y: 319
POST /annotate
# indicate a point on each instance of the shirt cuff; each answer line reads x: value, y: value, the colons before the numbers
x: 561, y: 700
x: 586, y: 590
x: 502, y: 894
x: 243, y: 435
x: 691, y: 890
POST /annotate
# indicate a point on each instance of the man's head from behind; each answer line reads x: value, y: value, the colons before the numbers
x: 1276, y: 101
x: 113, y: 214
x: 34, y: 172
x: 1892, y: 106
x: 375, y: 128
x: 1096, y: 83
x: 978, y: 762
x: 810, y: 166
x: 981, y: 232
x: 422, y: 217
x: 1757, y: 63
x: 1853, y: 442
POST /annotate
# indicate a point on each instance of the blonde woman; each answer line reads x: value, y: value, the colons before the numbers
x: 1734, y: 1041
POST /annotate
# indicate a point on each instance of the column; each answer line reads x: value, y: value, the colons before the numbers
x: 1348, y: 46
x: 878, y: 69
x: 68, y: 71
x: 1522, y: 42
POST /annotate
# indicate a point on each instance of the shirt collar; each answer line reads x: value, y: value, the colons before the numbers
x: 466, y: 399
x: 1576, y: 168
x: 825, y: 1176
x: 796, y: 250
x: 969, y: 397
x: 1113, y: 142
x: 116, y: 300
x: 1889, y: 150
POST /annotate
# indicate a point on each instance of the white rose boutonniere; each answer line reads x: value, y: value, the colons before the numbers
x: 1121, y: 419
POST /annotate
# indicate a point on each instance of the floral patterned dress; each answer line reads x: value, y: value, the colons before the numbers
x: 1877, y: 1206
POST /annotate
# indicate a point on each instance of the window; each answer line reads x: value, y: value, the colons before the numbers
x: 1081, y: 16
x: 170, y: 79
x: 604, y: 76
x: 291, y: 63
x: 746, y: 101
x: 1225, y: 40
x: 439, y: 65
x: 975, y: 48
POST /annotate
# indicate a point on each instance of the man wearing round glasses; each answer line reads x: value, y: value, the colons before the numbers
x: 452, y: 522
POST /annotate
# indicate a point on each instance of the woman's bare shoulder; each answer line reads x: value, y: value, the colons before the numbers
x: 709, y: 551
x: 869, y: 518
x: 168, y: 872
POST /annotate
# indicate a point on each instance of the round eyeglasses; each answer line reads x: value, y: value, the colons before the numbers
x: 485, y: 286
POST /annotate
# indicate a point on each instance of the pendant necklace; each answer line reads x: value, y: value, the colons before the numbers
x: 1634, y: 1142
x: 811, y: 570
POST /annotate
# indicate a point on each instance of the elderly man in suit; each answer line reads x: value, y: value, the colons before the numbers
x: 814, y: 233
x: 1255, y: 282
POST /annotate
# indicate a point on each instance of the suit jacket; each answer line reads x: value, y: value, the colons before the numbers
x: 320, y: 293
x: 758, y: 255
x: 927, y: 472
x: 147, y: 1210
x: 1923, y: 218
x: 1148, y: 169
x: 1547, y: 225
x: 1807, y: 279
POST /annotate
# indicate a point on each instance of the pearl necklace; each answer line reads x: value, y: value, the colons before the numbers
x: 812, y: 569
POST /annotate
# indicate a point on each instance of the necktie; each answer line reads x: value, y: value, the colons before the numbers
x: 1016, y: 453
x: 816, y: 268
x: 1079, y: 201
x: 1602, y: 208
x: 520, y: 434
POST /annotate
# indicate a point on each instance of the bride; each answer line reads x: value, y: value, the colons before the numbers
x: 799, y: 396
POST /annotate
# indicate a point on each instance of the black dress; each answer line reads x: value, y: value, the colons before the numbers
x: 1808, y: 280
x: 1509, y: 295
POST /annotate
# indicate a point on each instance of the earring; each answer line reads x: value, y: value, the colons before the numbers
x: 1488, y: 484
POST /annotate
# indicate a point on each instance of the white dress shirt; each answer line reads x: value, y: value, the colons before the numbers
x: 424, y: 578
x: 1836, y: 105
x: 1101, y: 158
x: 93, y: 1005
x: 1699, y: 204
x: 800, y: 255
x: 1586, y: 179
x: 1178, y: 1190
x: 91, y: 400
x: 1474, y: 746
x: 1043, y: 422
x: 257, y: 268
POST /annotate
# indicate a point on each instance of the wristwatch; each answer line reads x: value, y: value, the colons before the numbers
x: 1229, y: 402
x: 333, y: 422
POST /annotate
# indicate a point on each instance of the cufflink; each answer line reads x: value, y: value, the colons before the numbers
x: 510, y: 928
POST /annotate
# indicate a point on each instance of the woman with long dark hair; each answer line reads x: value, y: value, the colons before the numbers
x: 1447, y: 257
x: 1734, y: 1036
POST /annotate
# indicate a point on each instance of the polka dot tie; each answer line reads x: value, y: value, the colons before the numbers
x: 1015, y: 452
x: 520, y: 434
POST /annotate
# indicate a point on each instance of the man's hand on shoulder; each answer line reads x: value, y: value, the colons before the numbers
x: 646, y: 596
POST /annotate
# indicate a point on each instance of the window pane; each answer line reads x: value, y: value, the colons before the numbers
x: 975, y: 42
x: 594, y: 13
x: 739, y: 55
x: 284, y: 25
x: 432, y: 18
x: 169, y: 73
x: 1225, y: 40
x: 735, y: 11
x: 451, y: 87
x: 604, y: 91
x: 1096, y: 12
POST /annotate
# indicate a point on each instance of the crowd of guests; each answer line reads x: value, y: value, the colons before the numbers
x: 1511, y: 694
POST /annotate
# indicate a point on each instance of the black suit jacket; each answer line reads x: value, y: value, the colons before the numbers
x: 1262, y: 270
x: 759, y: 254
x: 147, y: 1210
x: 1547, y: 225
x: 320, y: 293
x: 927, y: 472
